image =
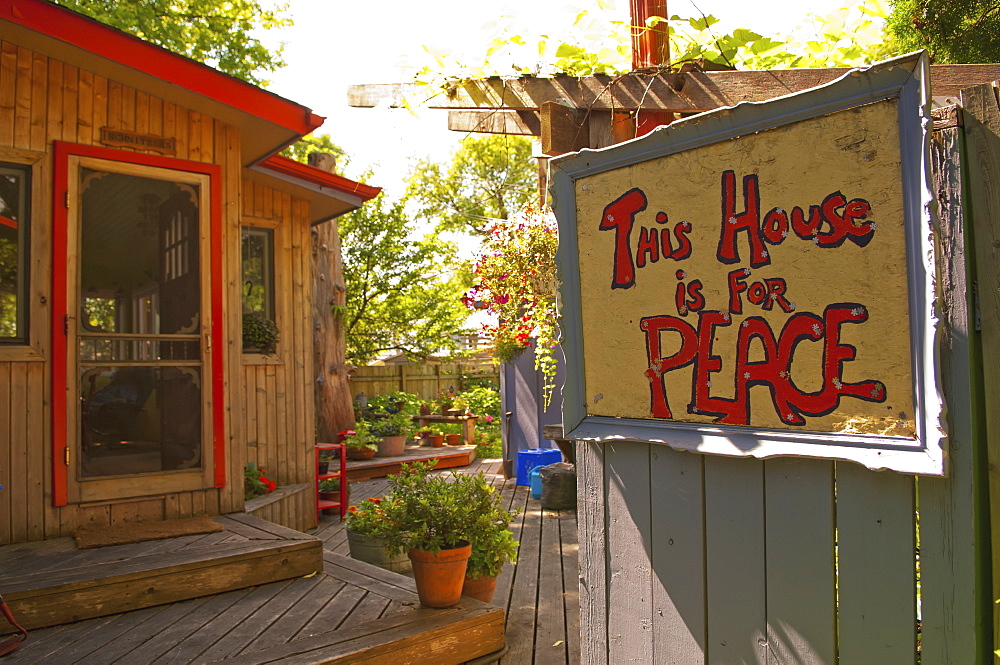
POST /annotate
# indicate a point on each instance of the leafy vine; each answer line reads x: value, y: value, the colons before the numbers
x: 515, y: 281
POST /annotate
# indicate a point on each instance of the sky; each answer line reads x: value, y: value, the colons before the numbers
x: 336, y: 43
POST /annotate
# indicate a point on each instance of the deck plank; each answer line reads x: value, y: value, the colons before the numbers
x: 242, y: 635
x: 522, y: 614
x: 550, y: 621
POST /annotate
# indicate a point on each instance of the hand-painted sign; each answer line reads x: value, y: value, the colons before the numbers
x: 753, y: 281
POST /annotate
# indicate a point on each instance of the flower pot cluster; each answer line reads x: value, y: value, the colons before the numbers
x: 453, y: 528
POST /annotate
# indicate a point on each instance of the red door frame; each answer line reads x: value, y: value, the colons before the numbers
x: 60, y: 212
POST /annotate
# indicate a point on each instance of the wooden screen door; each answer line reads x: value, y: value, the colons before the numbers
x: 139, y: 344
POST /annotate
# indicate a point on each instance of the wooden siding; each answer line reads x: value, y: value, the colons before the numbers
x: 695, y: 559
x: 43, y: 100
x: 280, y: 440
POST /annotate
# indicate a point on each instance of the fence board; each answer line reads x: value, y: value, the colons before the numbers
x: 593, y: 553
x: 801, y: 577
x: 949, y: 507
x: 678, y: 556
x: 982, y: 133
x: 630, y: 635
x: 877, y: 577
x: 734, y: 559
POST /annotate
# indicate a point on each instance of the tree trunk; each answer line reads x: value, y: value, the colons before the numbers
x: 334, y: 408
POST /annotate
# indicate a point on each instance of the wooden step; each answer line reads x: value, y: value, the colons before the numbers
x: 52, y: 582
x: 380, y: 467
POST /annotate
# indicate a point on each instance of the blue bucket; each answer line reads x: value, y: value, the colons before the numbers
x: 532, y: 457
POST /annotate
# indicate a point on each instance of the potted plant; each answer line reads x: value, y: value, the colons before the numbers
x: 452, y: 433
x: 429, y: 518
x: 255, y: 483
x: 329, y: 489
x: 361, y: 444
x: 366, y: 527
x: 392, y: 430
x: 435, y: 438
x: 260, y: 333
x: 325, y: 457
x: 492, y: 542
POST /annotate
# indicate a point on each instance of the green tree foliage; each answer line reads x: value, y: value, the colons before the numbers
x: 308, y: 144
x: 216, y: 32
x: 401, y: 294
x: 953, y: 31
x: 489, y: 178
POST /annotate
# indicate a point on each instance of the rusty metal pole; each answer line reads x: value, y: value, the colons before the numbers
x: 650, y: 48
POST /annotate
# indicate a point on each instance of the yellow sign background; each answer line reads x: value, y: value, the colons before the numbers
x: 855, y: 152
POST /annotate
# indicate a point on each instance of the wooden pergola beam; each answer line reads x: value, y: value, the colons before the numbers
x: 495, y: 121
x: 656, y: 90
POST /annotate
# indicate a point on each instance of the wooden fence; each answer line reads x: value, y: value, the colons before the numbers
x: 426, y: 381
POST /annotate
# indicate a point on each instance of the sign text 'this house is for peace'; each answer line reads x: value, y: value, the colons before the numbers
x: 742, y: 251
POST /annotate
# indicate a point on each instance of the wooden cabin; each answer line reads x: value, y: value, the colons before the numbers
x: 143, y: 210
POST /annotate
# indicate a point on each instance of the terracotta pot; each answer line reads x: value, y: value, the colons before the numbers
x: 437, y: 440
x: 480, y: 588
x: 330, y: 496
x: 440, y: 575
x: 391, y: 446
x: 357, y: 453
x: 453, y: 439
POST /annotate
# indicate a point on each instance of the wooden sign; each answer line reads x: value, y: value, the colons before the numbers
x: 756, y: 280
x: 125, y: 139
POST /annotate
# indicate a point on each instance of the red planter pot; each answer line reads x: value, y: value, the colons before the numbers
x: 453, y: 439
x: 360, y: 453
x: 481, y: 588
x: 439, y: 576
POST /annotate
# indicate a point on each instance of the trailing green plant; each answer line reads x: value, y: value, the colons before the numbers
x: 483, y: 401
x: 362, y: 437
x: 393, y: 424
x: 259, y: 332
x: 515, y: 281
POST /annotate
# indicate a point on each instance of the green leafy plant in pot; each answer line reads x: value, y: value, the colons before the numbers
x: 493, y: 544
x: 367, y: 525
x: 259, y: 333
x: 392, y: 430
x: 429, y: 518
x: 361, y: 443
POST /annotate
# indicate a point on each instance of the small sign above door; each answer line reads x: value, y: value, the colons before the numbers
x: 121, y: 138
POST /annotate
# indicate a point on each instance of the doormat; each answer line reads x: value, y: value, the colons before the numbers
x: 139, y: 532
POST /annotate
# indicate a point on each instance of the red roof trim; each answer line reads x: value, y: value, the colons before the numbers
x: 316, y: 176
x: 83, y: 32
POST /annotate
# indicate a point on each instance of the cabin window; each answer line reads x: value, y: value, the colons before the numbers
x: 15, y: 186
x: 258, y: 271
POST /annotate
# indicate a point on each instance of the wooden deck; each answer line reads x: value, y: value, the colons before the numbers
x: 539, y: 594
x: 351, y: 612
